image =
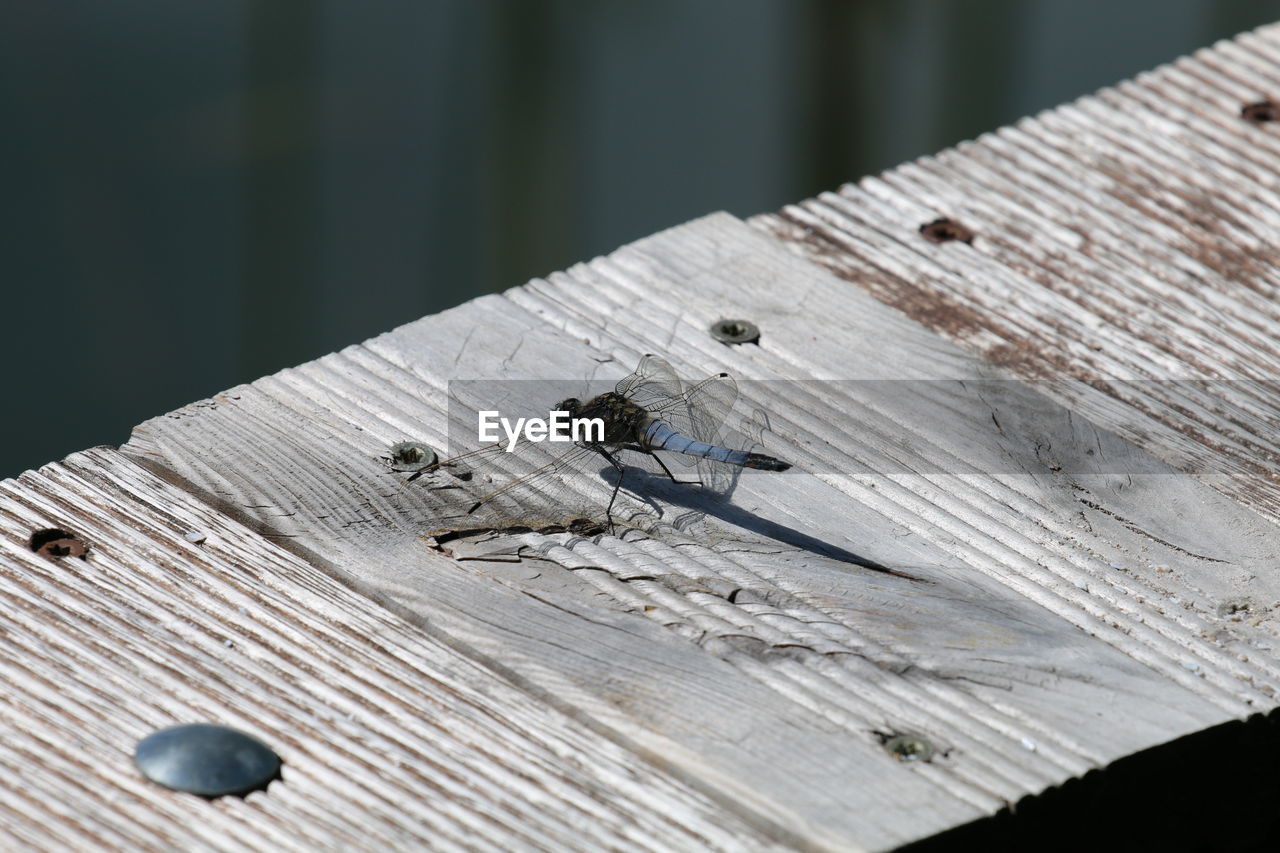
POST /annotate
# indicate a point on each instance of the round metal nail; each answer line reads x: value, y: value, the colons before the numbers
x: 410, y: 455
x: 909, y: 748
x: 206, y: 760
x: 55, y: 543
x: 735, y: 332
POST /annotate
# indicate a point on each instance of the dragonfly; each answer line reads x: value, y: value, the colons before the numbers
x: 651, y: 421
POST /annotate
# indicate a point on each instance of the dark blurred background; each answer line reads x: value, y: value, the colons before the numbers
x: 195, y: 194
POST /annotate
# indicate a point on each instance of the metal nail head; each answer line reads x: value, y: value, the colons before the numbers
x: 735, y: 331
x: 207, y: 760
x: 907, y: 747
x: 410, y: 456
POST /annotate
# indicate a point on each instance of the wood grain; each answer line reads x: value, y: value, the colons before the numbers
x: 1058, y: 622
x: 390, y: 739
x: 1058, y: 436
x: 1125, y: 241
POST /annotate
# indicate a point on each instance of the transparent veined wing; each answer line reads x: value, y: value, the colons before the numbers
x: 489, y: 488
x: 540, y: 485
x: 654, y: 383
x: 701, y: 411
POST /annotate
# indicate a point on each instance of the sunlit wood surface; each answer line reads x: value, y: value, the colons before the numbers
x: 1057, y: 432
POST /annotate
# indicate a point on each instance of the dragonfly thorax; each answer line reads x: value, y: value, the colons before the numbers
x: 624, y: 421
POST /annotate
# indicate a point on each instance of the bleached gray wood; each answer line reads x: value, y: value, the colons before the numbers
x: 1059, y: 621
x: 391, y: 740
x: 1084, y: 563
x: 1127, y: 241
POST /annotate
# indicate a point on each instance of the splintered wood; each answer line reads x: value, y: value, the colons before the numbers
x: 1030, y: 528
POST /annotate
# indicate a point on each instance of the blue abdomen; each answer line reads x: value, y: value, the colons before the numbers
x: 659, y: 436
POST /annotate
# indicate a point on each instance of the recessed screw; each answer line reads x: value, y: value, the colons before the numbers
x: 945, y: 231
x: 1260, y: 113
x: 1234, y: 606
x: 410, y: 455
x: 907, y: 747
x: 55, y: 543
x: 735, y: 331
x: 206, y: 760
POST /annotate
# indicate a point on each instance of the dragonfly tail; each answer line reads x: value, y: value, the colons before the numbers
x: 765, y: 462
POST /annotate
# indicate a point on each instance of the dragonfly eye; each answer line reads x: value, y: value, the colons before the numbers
x: 570, y: 405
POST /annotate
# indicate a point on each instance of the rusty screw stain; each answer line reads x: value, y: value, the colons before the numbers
x: 55, y: 543
x: 945, y: 231
x: 909, y: 748
x: 1260, y: 113
x: 735, y: 332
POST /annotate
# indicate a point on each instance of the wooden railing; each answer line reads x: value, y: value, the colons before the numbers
x: 1034, y: 376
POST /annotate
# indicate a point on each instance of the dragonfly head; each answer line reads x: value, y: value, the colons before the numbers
x: 571, y: 405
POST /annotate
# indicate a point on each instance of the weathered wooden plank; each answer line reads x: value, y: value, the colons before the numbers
x: 1065, y: 595
x: 391, y: 739
x: 1066, y: 611
x: 1125, y: 240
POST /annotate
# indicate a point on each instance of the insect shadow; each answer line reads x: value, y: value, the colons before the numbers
x: 661, y: 493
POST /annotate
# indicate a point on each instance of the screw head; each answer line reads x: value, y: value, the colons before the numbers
x: 908, y: 747
x: 1234, y: 606
x: 410, y: 456
x: 735, y: 331
x: 1261, y: 112
x: 207, y: 760
x: 946, y: 231
x: 56, y: 543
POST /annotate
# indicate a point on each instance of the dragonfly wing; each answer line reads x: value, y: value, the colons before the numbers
x: 701, y: 411
x: 708, y: 405
x: 540, y: 484
x: 655, y: 387
x: 556, y: 489
x: 534, y: 487
x: 459, y: 462
x: 654, y: 382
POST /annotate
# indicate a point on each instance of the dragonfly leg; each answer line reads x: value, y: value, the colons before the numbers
x: 665, y: 469
x: 672, y: 477
x: 622, y: 472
